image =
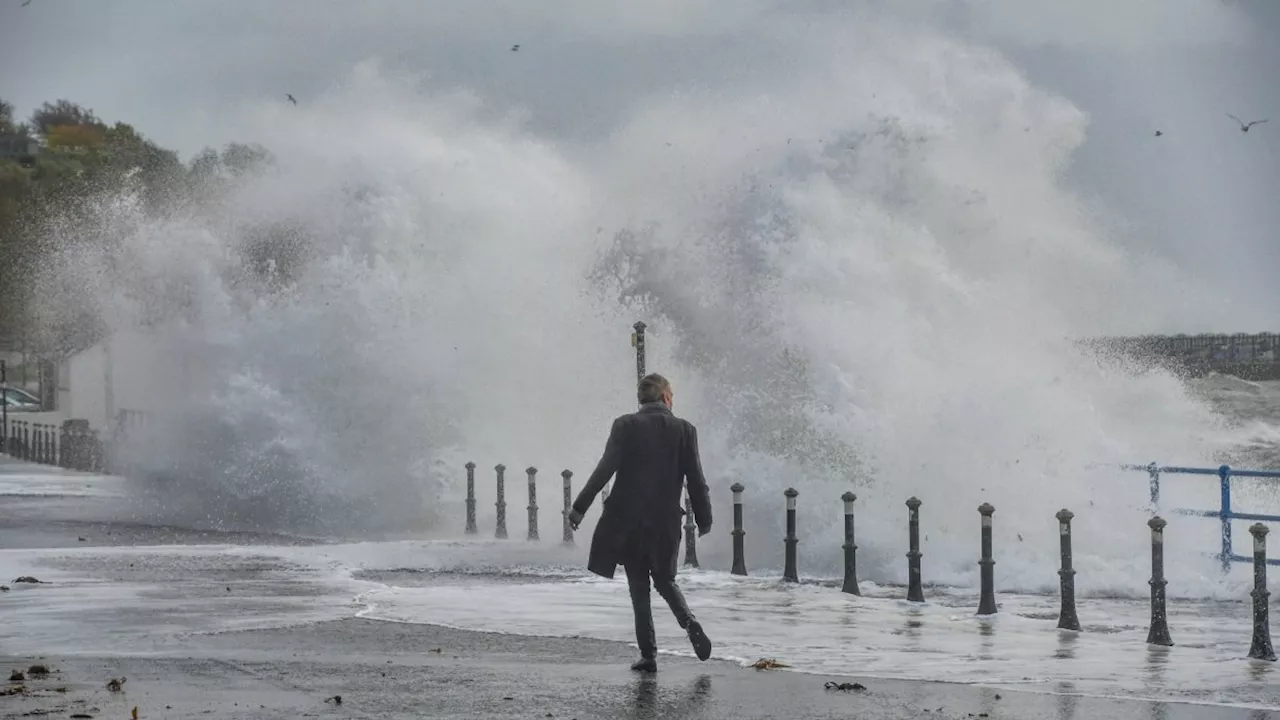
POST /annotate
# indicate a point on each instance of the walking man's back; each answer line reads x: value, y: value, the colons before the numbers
x: 654, y: 454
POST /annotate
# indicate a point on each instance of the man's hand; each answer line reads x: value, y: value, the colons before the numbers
x: 575, y: 518
x: 704, y: 530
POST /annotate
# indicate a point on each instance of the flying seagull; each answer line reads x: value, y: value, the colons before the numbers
x: 1159, y: 133
x: 26, y: 3
x: 295, y: 102
x: 514, y: 48
x: 1243, y: 126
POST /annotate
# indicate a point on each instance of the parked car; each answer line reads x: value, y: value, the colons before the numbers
x: 20, y: 400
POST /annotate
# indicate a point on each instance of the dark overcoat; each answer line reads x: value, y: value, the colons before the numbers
x: 654, y: 455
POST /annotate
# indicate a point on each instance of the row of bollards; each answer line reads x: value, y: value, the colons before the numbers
x: 500, y: 526
x: 1068, y: 618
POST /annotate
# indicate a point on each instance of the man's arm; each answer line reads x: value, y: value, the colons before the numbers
x: 605, y: 470
x: 695, y: 481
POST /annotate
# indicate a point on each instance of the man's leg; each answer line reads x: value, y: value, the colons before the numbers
x: 667, y: 588
x: 638, y: 583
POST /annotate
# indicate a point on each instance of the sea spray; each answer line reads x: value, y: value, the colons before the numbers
x: 861, y: 273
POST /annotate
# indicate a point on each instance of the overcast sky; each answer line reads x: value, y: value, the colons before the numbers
x: 1204, y: 194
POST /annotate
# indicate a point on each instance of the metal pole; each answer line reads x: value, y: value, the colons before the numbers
x: 1067, y: 619
x: 1224, y: 489
x: 789, y: 570
x: 471, y: 499
x: 850, y: 549
x: 1260, y: 648
x: 690, y: 535
x: 532, y: 472
x: 637, y: 340
x: 4, y: 407
x: 987, y: 602
x: 1153, y: 472
x: 568, y: 505
x: 500, y: 531
x: 1159, y: 632
x: 739, y: 559
x: 915, y: 591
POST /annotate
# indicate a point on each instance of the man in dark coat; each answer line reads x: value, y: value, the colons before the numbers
x: 654, y: 454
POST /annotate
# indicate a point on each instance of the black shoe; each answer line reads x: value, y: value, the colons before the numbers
x: 701, y: 643
x: 645, y: 665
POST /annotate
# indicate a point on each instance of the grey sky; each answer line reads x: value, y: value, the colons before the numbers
x: 1204, y: 193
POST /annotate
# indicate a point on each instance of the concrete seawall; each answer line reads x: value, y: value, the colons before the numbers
x: 1247, y: 356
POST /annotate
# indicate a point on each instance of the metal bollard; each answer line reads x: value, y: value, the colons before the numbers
x: 568, y: 505
x: 690, y: 535
x: 471, y: 499
x: 532, y: 472
x: 1153, y: 485
x: 1067, y: 619
x: 789, y: 570
x: 500, y: 530
x: 915, y: 589
x: 1224, y: 490
x: 68, y: 448
x: 1260, y: 648
x: 1159, y: 633
x: 739, y: 555
x: 987, y: 603
x: 637, y: 341
x: 850, y: 549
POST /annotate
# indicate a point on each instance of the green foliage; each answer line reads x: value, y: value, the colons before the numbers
x: 6, y: 118
x: 61, y: 113
x: 79, y: 157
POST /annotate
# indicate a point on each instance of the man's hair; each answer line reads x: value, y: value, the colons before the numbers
x: 651, y: 388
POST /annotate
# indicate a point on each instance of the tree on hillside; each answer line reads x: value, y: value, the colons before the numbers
x: 74, y: 137
x: 62, y: 112
x: 50, y: 207
x: 6, y: 117
x: 240, y: 159
x: 10, y: 126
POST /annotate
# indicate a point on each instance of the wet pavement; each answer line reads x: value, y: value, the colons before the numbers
x: 387, y: 670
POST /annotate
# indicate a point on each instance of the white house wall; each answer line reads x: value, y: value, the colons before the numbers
x: 87, y: 387
x: 137, y: 380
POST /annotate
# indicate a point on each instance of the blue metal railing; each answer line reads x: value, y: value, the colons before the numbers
x: 1224, y: 513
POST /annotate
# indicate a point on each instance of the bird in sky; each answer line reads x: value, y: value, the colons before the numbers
x: 514, y: 48
x: 295, y: 102
x: 26, y: 3
x: 1245, y: 127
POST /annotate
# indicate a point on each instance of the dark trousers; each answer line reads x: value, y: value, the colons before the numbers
x: 639, y: 573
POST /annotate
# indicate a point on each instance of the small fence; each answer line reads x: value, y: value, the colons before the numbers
x: 1224, y: 513
x: 1068, y: 616
x: 73, y: 445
